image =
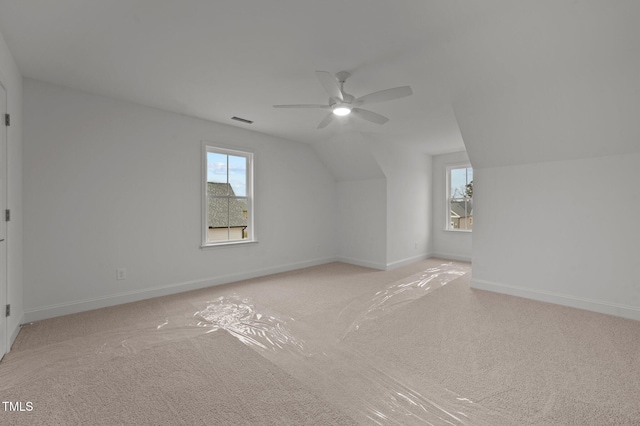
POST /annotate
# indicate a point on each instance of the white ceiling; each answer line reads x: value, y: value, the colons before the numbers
x: 216, y: 59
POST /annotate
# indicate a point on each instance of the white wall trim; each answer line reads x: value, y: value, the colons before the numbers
x: 603, y: 307
x: 365, y: 263
x: 67, y: 308
x: 449, y: 256
x: 403, y: 262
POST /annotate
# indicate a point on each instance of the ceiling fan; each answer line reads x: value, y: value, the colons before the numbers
x: 341, y: 103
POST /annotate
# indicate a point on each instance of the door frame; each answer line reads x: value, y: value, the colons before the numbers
x: 4, y: 280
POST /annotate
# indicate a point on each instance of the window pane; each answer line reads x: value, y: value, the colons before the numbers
x: 238, y: 218
x: 466, y: 221
x: 217, y: 167
x: 454, y: 217
x: 458, y: 182
x: 461, y: 214
x: 218, y: 220
x: 238, y: 175
x: 460, y: 198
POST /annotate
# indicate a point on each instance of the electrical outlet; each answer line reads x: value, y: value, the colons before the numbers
x: 121, y: 274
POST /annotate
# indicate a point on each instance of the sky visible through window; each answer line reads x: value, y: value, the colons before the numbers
x: 459, y: 179
x: 235, y: 173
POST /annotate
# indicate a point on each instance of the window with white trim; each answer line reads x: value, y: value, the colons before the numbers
x: 459, y: 198
x: 227, y: 196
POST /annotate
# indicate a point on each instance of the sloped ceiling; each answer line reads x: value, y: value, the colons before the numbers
x: 551, y: 84
x: 521, y: 81
x: 349, y: 156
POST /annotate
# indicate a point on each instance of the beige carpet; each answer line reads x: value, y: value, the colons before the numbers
x: 333, y: 344
x: 203, y: 380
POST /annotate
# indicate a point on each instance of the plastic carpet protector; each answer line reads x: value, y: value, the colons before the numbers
x: 321, y: 356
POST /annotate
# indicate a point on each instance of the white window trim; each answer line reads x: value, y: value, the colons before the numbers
x: 447, y: 200
x: 251, y: 229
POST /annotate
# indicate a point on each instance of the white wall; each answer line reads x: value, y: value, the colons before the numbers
x: 12, y: 82
x: 447, y: 244
x: 409, y: 201
x: 554, y: 146
x: 566, y: 232
x: 112, y: 184
x: 362, y: 199
x: 362, y: 224
x: 384, y: 200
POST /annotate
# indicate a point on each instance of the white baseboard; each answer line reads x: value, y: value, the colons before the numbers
x: 359, y: 262
x: 14, y: 333
x: 448, y: 256
x: 602, y: 307
x: 399, y: 263
x: 73, y: 307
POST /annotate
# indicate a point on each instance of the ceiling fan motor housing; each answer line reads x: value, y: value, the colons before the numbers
x: 348, y: 100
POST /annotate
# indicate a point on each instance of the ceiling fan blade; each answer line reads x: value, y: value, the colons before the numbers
x: 328, y: 119
x: 369, y: 116
x: 330, y: 84
x: 302, y: 106
x: 385, y: 95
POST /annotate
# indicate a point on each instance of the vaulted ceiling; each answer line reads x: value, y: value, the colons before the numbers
x: 520, y: 80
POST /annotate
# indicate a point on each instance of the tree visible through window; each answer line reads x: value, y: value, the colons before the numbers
x: 228, y: 214
x: 460, y: 198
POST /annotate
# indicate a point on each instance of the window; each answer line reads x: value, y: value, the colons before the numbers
x: 459, y: 198
x: 227, y: 196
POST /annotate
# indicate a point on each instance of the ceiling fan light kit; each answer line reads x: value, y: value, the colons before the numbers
x: 341, y: 110
x: 343, y: 104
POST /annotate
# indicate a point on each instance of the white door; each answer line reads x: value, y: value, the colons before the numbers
x: 3, y: 225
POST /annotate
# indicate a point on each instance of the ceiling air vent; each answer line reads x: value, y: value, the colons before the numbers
x: 242, y: 120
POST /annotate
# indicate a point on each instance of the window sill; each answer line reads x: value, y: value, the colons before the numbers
x: 227, y: 244
x: 467, y: 231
